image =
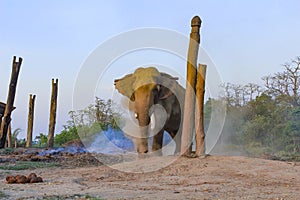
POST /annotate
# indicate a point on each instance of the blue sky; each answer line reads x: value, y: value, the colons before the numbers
x: 245, y: 39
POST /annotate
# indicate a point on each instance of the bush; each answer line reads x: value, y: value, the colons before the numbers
x: 68, y: 134
x: 43, y: 141
x: 257, y: 149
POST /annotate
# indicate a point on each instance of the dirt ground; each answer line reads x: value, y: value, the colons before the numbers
x: 212, y: 177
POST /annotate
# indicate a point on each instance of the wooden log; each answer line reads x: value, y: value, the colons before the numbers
x: 199, y: 123
x: 16, y: 66
x: 53, y: 108
x: 189, y: 106
x: 30, y: 120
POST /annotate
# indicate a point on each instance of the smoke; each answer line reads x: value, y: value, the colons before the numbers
x: 111, y: 142
x: 116, y: 142
x: 71, y: 150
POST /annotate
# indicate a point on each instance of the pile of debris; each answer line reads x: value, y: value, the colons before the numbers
x: 64, y: 156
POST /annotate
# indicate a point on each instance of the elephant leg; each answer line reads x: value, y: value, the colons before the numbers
x: 157, y: 143
x: 177, y: 139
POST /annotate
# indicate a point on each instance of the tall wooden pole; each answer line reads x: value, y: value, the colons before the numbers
x: 30, y: 120
x: 189, y: 106
x: 53, y: 107
x: 9, y: 140
x: 16, y: 66
x: 200, y: 90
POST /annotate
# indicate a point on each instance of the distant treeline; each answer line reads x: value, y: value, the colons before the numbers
x: 262, y: 120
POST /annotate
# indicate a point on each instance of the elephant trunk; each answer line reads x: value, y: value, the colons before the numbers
x: 142, y: 141
x: 143, y: 116
x: 144, y: 100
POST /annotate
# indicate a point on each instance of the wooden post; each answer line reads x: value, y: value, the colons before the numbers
x: 200, y: 90
x: 52, y: 120
x: 16, y: 66
x: 30, y: 120
x: 9, y: 141
x: 189, y: 106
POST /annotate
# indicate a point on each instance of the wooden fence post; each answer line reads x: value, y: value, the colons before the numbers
x: 16, y: 66
x: 52, y: 119
x: 189, y: 105
x: 30, y: 120
x: 200, y: 90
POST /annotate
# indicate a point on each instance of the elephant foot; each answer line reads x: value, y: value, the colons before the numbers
x: 143, y: 155
x: 156, y: 152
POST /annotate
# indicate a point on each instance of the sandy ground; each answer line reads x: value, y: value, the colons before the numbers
x: 213, y: 177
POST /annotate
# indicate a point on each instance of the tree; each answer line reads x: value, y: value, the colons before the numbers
x: 264, y: 120
x: 292, y: 131
x: 252, y: 90
x: 286, y: 83
x: 87, y: 122
x: 239, y: 95
x: 14, y: 137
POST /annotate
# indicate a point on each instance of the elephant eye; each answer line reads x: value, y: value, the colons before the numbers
x: 136, y: 115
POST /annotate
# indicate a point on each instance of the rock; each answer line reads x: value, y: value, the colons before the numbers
x: 11, y: 179
x: 32, y: 175
x: 21, y: 179
x: 39, y: 179
x: 34, y: 180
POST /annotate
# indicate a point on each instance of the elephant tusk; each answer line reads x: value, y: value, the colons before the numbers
x: 152, y: 121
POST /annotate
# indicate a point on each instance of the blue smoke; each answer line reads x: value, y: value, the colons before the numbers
x: 114, y: 141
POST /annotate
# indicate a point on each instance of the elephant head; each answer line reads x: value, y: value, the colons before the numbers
x: 145, y: 88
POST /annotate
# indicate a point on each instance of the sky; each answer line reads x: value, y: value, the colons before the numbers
x: 245, y: 41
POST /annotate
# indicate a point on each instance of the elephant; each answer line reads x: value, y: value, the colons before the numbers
x: 148, y: 88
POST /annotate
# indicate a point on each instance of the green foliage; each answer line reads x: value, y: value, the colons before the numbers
x: 265, y: 125
x: 23, y: 165
x: 43, y: 141
x: 255, y: 130
x: 256, y: 149
x: 6, y: 151
x: 14, y: 138
x: 102, y: 112
x: 285, y: 156
x: 263, y: 105
x: 84, y: 124
x: 75, y: 196
x: 207, y: 113
x: 267, y: 122
x: 3, y: 195
x: 68, y: 134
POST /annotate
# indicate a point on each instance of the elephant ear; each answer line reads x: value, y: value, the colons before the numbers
x: 125, y: 86
x: 168, y: 85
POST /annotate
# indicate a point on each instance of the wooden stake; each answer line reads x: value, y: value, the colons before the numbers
x: 189, y: 106
x: 200, y: 90
x: 30, y: 120
x: 16, y: 66
x: 52, y: 119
